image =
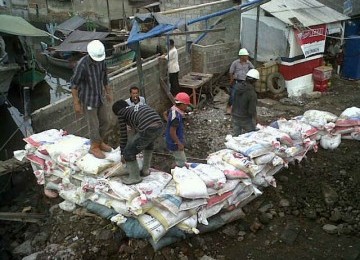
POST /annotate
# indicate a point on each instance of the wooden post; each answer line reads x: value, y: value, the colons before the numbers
x: 27, y: 111
x: 256, y: 35
x: 139, y: 69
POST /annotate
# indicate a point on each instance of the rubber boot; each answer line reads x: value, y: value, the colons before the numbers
x: 146, y: 162
x: 104, y: 147
x: 134, y: 173
x: 95, y: 150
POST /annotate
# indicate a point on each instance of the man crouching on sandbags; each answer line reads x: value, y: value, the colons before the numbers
x: 148, y: 126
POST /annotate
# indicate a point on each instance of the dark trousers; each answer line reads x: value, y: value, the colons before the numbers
x: 242, y: 125
x: 232, y: 92
x: 141, y: 141
x: 98, y: 122
x: 174, y: 83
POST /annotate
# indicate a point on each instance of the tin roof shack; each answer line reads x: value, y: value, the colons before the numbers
x: 294, y: 31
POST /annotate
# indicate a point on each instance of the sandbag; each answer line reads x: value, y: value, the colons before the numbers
x: 168, y: 198
x: 99, y: 209
x: 212, y: 176
x: 330, y: 141
x: 133, y: 229
x: 189, y: 184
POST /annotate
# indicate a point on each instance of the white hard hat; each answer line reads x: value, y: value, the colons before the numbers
x: 96, y: 50
x: 243, y: 52
x: 253, y: 73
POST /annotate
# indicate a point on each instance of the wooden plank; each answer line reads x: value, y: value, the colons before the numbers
x: 22, y: 217
x: 165, y: 88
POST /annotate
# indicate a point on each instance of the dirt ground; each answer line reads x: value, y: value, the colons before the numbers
x: 313, y: 213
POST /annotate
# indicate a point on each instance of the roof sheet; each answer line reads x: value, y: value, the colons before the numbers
x: 71, y: 24
x: 78, y: 40
x: 308, y: 12
x: 19, y: 26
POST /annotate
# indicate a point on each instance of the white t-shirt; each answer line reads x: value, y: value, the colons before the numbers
x: 141, y: 102
x: 173, y: 64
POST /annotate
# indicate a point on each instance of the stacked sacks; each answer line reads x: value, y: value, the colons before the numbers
x: 165, y: 207
x: 348, y: 124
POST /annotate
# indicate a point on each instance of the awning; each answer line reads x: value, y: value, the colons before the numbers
x: 16, y: 25
x: 78, y: 40
x: 306, y: 12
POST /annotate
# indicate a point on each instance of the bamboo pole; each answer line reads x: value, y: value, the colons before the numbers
x: 114, y: 73
x: 183, y: 9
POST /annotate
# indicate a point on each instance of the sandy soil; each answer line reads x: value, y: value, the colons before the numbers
x: 295, y: 220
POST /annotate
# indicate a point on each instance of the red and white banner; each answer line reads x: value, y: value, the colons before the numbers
x: 312, y: 40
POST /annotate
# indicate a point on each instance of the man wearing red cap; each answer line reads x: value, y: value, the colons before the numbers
x: 174, y: 133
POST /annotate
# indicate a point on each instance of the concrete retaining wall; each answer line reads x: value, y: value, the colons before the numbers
x: 60, y: 115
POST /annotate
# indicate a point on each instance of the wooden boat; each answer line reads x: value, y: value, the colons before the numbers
x: 113, y: 62
x: 19, y: 64
x: 67, y: 53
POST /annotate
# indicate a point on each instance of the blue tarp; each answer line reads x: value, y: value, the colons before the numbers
x: 166, y: 24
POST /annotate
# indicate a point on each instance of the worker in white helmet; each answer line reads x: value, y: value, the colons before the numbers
x: 90, y: 91
x: 237, y: 73
x: 244, y: 104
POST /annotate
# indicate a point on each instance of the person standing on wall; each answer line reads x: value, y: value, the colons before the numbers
x: 90, y: 92
x: 173, y: 67
x: 244, y: 104
x: 135, y: 98
x: 148, y: 127
x: 237, y: 73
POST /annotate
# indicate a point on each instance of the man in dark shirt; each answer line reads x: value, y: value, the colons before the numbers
x: 148, y: 126
x: 90, y: 91
x: 244, y: 105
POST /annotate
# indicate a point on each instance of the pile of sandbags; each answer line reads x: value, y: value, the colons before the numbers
x: 348, y: 124
x: 166, y: 207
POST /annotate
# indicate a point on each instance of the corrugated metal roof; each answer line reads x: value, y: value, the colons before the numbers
x: 71, y: 24
x: 308, y: 12
x: 78, y: 40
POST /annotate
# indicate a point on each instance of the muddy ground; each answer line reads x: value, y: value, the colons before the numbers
x: 313, y: 213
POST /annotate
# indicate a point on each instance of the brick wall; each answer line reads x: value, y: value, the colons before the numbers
x: 214, y: 58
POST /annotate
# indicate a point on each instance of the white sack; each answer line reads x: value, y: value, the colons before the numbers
x: 189, y: 184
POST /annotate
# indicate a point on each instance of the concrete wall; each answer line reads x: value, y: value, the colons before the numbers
x: 60, y: 115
